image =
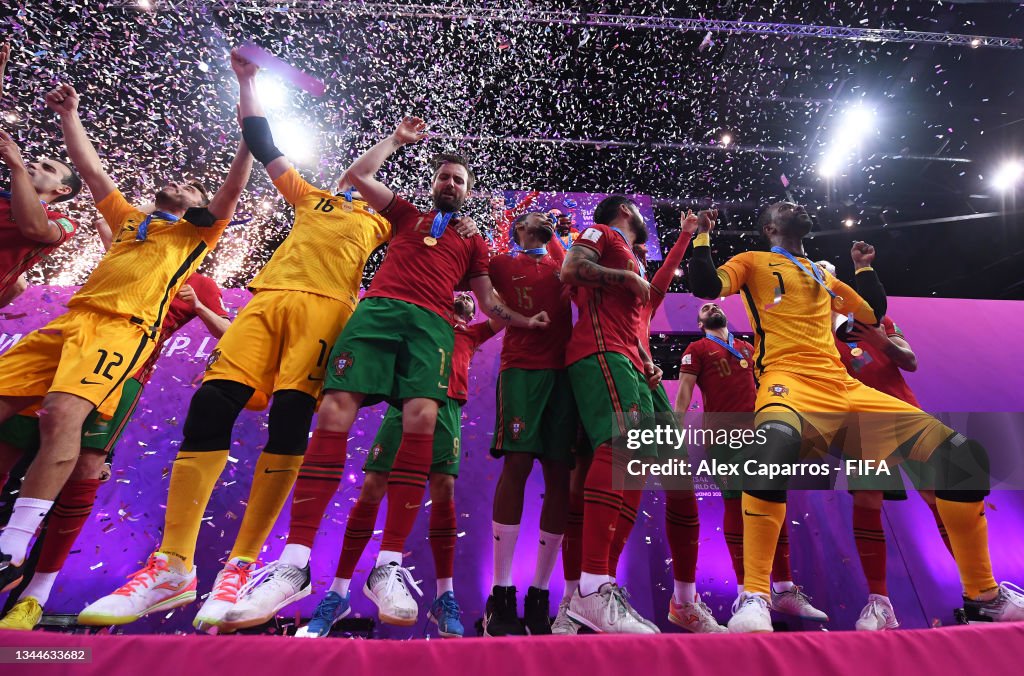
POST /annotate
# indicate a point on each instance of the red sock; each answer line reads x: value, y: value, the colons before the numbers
x: 780, y: 564
x: 318, y: 481
x: 942, y: 528
x: 358, y: 532
x: 406, y: 485
x: 572, y: 544
x: 682, y: 528
x: 732, y: 528
x: 870, y: 539
x: 69, y: 514
x: 601, y: 507
x: 442, y: 538
x: 623, y: 527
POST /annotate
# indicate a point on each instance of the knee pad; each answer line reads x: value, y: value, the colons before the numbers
x: 961, y: 470
x: 212, y: 414
x: 291, y: 415
x: 781, y: 447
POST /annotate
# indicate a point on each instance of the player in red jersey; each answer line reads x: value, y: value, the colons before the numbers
x: 198, y: 297
x: 396, y: 347
x: 722, y: 367
x: 444, y: 469
x: 29, y: 229
x: 536, y: 419
x: 608, y: 368
x: 876, y: 356
x: 504, y: 217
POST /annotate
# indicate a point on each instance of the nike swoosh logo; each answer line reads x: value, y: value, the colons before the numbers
x: 65, y: 531
x: 295, y: 502
x: 411, y: 506
x: 775, y: 265
x: 267, y: 470
x: 516, y: 278
x: 94, y: 434
x: 313, y: 379
x: 89, y: 382
x: 752, y: 514
x: 187, y: 457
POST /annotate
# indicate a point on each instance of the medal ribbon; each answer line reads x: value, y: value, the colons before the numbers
x: 441, y: 220
x: 640, y: 266
x: 728, y: 346
x: 813, y: 275
x: 143, y: 231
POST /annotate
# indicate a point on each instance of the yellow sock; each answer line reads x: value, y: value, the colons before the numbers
x: 273, y: 480
x: 762, y: 523
x: 967, y: 528
x: 193, y: 476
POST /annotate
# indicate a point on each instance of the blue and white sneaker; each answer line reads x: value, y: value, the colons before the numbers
x: 445, y: 612
x: 331, y: 608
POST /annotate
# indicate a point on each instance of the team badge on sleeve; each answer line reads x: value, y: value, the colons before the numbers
x: 342, y: 363
x: 687, y: 359
x: 517, y: 427
x: 779, y: 390
x: 591, y: 234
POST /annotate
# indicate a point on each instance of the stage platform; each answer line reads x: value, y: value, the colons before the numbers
x: 988, y: 649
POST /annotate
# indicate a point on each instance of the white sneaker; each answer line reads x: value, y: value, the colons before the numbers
x: 563, y: 624
x: 795, y: 602
x: 877, y: 615
x: 694, y: 616
x: 224, y: 594
x: 270, y: 589
x: 387, y: 587
x: 605, y: 611
x: 750, y: 613
x: 624, y: 595
x: 153, y: 588
x: 1007, y: 606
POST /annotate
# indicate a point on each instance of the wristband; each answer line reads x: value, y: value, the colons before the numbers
x: 860, y: 270
x: 703, y: 239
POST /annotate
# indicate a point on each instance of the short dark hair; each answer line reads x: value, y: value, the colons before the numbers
x: 72, y: 180
x: 766, y: 216
x: 513, y: 235
x: 442, y: 159
x: 202, y: 191
x: 609, y: 206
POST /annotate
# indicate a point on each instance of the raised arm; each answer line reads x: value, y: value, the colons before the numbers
x: 869, y: 286
x: 255, y: 128
x: 701, y: 273
x: 363, y: 172
x: 493, y: 307
x: 29, y: 215
x: 5, y: 54
x: 222, y: 204
x: 581, y: 269
x: 64, y: 101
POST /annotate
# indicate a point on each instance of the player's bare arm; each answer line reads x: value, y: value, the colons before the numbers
x: 222, y: 204
x: 64, y: 100
x: 494, y: 308
x: 5, y: 54
x: 29, y: 215
x: 364, y: 170
x: 701, y: 271
x: 894, y: 347
x: 253, y: 120
x: 582, y: 269
x: 687, y: 381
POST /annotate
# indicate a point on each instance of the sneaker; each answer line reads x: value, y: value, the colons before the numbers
x: 750, y: 613
x: 563, y: 624
x: 153, y: 588
x: 877, y: 615
x: 795, y: 602
x: 388, y: 587
x: 535, y: 612
x: 1007, y: 606
x: 695, y: 617
x: 501, y: 617
x: 624, y: 595
x: 24, y: 616
x: 331, y: 608
x: 605, y: 611
x: 445, y: 612
x: 10, y: 574
x: 224, y: 594
x: 273, y: 587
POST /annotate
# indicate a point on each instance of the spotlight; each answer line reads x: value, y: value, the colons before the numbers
x: 975, y: 42
x: 849, y: 222
x: 145, y: 4
x: 726, y: 140
x: 295, y: 139
x: 1008, y: 175
x: 857, y: 122
x: 272, y: 92
x: 829, y: 164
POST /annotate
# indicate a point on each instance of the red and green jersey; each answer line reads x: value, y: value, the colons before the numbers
x: 18, y: 253
x: 874, y: 368
x: 727, y: 387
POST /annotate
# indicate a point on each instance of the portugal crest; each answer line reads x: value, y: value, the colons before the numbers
x: 342, y: 363
x: 518, y: 427
x: 375, y: 451
x: 212, y: 359
x: 779, y: 391
x: 634, y: 414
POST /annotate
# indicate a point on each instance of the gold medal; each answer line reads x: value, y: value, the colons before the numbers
x: 837, y: 302
x: 429, y: 241
x: 856, y: 352
x: 743, y: 363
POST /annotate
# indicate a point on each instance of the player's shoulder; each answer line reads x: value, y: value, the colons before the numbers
x: 752, y: 257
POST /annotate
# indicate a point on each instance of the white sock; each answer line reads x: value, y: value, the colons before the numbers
x: 445, y: 584
x: 570, y: 587
x: 739, y: 589
x: 295, y: 555
x: 782, y: 586
x: 685, y: 591
x: 40, y: 586
x: 25, y: 519
x: 385, y: 557
x: 550, y: 544
x: 590, y: 583
x: 340, y: 586
x: 505, y: 536
x: 611, y: 578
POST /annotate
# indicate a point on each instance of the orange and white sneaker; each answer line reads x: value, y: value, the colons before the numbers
x: 156, y: 587
x: 222, y: 598
x: 694, y: 616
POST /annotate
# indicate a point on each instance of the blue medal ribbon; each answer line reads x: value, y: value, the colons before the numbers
x: 640, y: 266
x: 566, y: 243
x: 348, y: 194
x: 728, y: 346
x: 441, y: 220
x: 817, y: 275
x: 143, y: 231
x: 538, y: 251
x: 849, y: 325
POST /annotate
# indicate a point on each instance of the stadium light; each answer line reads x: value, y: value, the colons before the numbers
x: 272, y: 92
x: 1008, y: 175
x: 295, y: 139
x: 855, y: 124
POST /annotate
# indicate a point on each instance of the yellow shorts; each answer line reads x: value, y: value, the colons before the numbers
x: 829, y: 404
x: 279, y: 341
x: 84, y: 353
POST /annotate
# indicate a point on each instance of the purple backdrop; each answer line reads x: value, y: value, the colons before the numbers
x: 959, y: 373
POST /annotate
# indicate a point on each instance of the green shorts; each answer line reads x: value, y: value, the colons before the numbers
x: 610, y: 398
x: 447, y: 441
x: 665, y: 414
x: 22, y: 431
x: 391, y: 351
x: 536, y: 414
